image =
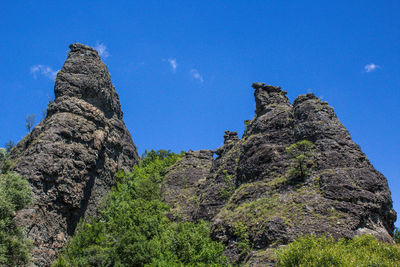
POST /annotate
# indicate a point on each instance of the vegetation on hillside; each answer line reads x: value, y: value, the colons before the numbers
x: 315, y: 251
x: 133, y: 230
x: 15, y: 194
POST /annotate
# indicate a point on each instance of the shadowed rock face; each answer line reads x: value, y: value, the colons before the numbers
x: 249, y: 185
x: 181, y: 181
x: 70, y: 158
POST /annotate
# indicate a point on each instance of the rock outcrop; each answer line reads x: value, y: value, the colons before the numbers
x: 70, y: 158
x: 258, y: 191
x: 294, y: 171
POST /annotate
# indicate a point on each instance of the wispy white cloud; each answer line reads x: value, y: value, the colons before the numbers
x: 102, y: 50
x: 371, y: 67
x: 173, y: 63
x: 43, y: 70
x: 196, y: 75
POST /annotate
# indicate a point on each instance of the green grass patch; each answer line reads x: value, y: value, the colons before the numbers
x: 312, y: 251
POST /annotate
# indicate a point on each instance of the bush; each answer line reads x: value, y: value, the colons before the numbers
x: 301, y: 153
x: 9, y: 146
x: 15, y: 194
x: 3, y: 154
x: 133, y: 230
x: 396, y: 235
x: 30, y: 121
x: 325, y: 251
x: 190, y: 244
x: 5, y: 162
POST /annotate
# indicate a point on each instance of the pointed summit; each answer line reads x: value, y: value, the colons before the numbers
x: 86, y: 77
x: 267, y: 97
x: 273, y: 110
x: 70, y: 158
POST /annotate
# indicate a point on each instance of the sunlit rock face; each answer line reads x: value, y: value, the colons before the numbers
x: 70, y: 158
x: 248, y: 188
x: 250, y: 184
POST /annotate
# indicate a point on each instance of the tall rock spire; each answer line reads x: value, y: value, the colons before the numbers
x: 273, y: 111
x: 70, y: 158
x: 268, y: 97
x: 85, y: 76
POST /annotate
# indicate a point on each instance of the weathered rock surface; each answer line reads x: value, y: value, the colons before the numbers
x: 70, y: 158
x: 180, y: 184
x: 256, y: 193
x: 251, y: 196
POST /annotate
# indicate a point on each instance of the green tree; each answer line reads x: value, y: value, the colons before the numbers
x: 302, y: 154
x: 3, y: 154
x: 9, y: 146
x: 396, y: 235
x: 30, y: 121
x: 133, y: 230
x: 15, y: 194
x: 5, y: 161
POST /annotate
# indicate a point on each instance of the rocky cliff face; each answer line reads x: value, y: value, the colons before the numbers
x: 259, y: 193
x: 70, y: 158
x: 181, y: 181
x: 295, y: 170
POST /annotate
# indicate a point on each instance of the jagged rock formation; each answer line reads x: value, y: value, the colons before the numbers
x: 70, y: 158
x: 257, y: 193
x: 251, y: 195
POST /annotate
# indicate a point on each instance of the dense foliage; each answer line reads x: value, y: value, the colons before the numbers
x: 133, y: 230
x: 15, y: 194
x: 323, y: 251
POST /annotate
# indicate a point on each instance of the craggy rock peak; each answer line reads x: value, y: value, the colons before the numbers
x: 70, y: 158
x: 250, y: 193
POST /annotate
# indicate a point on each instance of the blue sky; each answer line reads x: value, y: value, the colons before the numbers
x: 183, y: 69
